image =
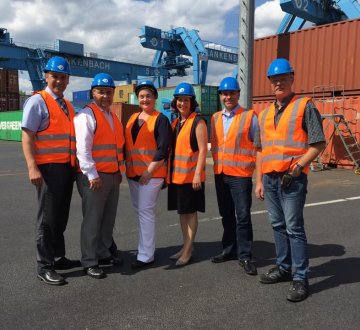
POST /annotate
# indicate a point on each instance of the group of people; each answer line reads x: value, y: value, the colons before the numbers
x: 94, y: 149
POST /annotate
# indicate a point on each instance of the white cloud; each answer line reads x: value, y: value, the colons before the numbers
x: 267, y: 18
x: 111, y: 28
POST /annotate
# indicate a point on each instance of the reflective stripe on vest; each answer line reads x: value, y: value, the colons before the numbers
x: 107, y: 149
x: 288, y: 140
x: 235, y: 154
x: 140, y: 154
x: 185, y: 160
x: 56, y: 143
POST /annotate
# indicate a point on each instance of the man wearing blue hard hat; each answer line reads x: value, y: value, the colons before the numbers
x: 49, y: 148
x: 289, y: 137
x: 232, y: 136
x: 99, y: 150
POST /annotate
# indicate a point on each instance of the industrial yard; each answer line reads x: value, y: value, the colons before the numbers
x: 202, y: 295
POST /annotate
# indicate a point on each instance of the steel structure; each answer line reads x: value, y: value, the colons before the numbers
x: 176, y: 50
x: 246, y: 51
x: 33, y: 60
x: 175, y: 47
x: 319, y: 12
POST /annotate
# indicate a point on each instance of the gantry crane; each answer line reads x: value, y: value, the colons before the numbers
x: 316, y: 11
x: 34, y: 58
x: 174, y: 47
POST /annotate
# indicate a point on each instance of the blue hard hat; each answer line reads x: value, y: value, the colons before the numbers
x: 103, y: 80
x: 229, y: 84
x: 279, y: 66
x: 58, y: 64
x: 184, y: 89
x: 145, y: 84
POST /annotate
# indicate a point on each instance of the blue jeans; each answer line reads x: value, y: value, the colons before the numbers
x: 285, y: 208
x: 234, y: 201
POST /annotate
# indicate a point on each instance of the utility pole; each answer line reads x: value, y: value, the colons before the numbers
x: 246, y: 50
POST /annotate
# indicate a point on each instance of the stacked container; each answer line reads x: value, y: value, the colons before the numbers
x: 124, y: 111
x: 322, y: 55
x: 122, y: 92
x: 9, y: 90
x: 81, y: 98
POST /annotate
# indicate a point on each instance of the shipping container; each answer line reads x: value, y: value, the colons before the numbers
x: 9, y: 101
x: 10, y: 125
x: 124, y: 111
x: 208, y: 124
x: 121, y: 94
x: 3, y: 101
x: 133, y: 99
x: 80, y: 103
x: 335, y: 153
x: 82, y: 95
x: 69, y: 47
x: 12, y: 81
x: 22, y: 99
x: 206, y: 96
x: 13, y: 101
x: 322, y: 55
x: 3, y: 81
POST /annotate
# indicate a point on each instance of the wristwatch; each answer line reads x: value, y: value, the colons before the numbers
x: 300, y: 166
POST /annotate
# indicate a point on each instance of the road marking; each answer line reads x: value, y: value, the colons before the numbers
x: 12, y: 174
x: 265, y: 211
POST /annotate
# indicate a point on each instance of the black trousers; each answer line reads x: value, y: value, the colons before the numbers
x: 54, y: 197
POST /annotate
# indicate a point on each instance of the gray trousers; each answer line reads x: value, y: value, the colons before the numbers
x: 99, y: 212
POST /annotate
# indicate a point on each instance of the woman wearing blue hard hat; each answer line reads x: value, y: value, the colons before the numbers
x: 186, y: 190
x: 147, y: 143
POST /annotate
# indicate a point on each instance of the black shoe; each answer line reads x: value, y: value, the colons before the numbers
x: 299, y: 290
x: 51, y: 277
x: 95, y: 272
x: 222, y: 258
x: 249, y: 267
x: 137, y: 264
x: 275, y: 275
x: 111, y: 261
x: 65, y: 263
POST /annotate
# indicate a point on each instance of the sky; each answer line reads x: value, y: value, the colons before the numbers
x: 111, y: 27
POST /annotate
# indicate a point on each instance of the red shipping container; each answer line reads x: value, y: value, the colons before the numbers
x: 3, y: 81
x: 124, y: 111
x: 12, y: 81
x: 322, y: 55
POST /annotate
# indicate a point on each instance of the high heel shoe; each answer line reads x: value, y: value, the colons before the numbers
x: 175, y: 256
x: 181, y: 263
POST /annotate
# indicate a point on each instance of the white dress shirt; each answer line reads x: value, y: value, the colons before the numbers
x: 85, y: 125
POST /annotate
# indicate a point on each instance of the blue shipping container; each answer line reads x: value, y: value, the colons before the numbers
x: 82, y: 95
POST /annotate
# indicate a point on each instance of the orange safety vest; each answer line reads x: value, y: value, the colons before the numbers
x: 235, y: 154
x: 140, y: 154
x: 56, y: 143
x: 185, y: 160
x: 288, y: 140
x: 108, y: 144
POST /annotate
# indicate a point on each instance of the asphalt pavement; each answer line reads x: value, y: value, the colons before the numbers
x: 201, y: 295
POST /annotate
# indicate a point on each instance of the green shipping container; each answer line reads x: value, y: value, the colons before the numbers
x: 10, y: 125
x: 206, y: 96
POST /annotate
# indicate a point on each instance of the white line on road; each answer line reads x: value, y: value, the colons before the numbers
x: 265, y: 211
